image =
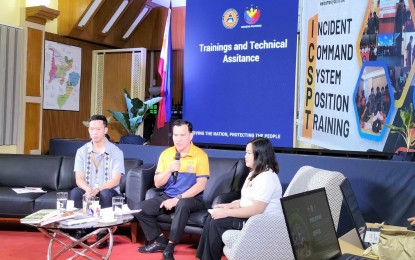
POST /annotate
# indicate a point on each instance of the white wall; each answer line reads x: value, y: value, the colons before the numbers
x: 12, y: 12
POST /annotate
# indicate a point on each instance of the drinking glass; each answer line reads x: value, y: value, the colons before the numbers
x: 94, y: 200
x: 117, y: 206
x: 61, y: 200
x: 91, y: 203
x: 85, y: 203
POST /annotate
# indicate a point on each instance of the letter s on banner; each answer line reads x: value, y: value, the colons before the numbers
x: 308, y: 113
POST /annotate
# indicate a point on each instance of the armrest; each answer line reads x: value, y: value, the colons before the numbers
x: 227, y: 197
x: 229, y: 237
x: 139, y: 180
x: 153, y: 192
x: 257, y: 229
x: 234, y: 237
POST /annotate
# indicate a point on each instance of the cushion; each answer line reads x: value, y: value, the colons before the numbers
x: 222, y: 172
x: 17, y: 205
x: 128, y: 165
x: 67, y: 175
x: 19, y: 170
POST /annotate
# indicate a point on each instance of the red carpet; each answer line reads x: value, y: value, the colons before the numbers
x: 33, y: 245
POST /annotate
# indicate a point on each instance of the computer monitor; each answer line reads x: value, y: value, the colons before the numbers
x: 386, y: 40
x: 356, y: 216
x: 310, y: 225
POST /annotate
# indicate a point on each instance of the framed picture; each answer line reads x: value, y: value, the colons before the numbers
x: 61, y: 77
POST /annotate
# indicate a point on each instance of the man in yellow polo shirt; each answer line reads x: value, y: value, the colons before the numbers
x: 182, y: 171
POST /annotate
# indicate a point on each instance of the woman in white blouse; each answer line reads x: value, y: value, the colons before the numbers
x: 260, y: 193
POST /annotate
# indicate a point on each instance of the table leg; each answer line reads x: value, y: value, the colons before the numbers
x: 53, y: 235
x: 109, y: 235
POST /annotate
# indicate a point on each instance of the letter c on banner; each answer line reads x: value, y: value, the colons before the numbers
x: 307, y: 129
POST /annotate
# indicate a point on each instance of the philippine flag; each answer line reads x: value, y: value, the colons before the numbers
x: 164, y: 69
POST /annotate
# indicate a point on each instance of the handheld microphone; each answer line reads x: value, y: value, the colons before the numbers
x: 175, y: 173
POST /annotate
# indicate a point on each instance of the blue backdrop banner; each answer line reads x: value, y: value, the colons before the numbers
x: 239, y: 70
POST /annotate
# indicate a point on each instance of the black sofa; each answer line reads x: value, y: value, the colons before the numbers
x: 227, y: 176
x: 52, y: 173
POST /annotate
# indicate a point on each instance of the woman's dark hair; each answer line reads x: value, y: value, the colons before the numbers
x: 99, y: 117
x: 264, y: 156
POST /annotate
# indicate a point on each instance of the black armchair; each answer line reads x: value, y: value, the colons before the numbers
x: 227, y: 176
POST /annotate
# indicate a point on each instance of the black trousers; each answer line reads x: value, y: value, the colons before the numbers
x: 210, y: 244
x: 150, y: 209
x: 105, y: 197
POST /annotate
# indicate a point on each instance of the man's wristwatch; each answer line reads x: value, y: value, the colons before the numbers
x: 179, y: 196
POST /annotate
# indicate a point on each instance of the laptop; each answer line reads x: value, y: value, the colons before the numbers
x: 356, y: 216
x: 311, y: 228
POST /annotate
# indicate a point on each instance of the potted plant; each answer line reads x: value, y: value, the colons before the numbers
x: 137, y: 111
x: 407, y: 131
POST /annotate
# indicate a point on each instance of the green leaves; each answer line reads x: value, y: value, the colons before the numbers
x: 407, y: 116
x: 137, y: 111
x: 407, y: 127
x: 122, y: 118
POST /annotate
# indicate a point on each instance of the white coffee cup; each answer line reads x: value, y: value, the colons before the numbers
x: 70, y: 205
x: 95, y: 211
x: 107, y: 214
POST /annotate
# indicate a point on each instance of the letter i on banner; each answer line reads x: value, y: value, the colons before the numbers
x: 307, y: 131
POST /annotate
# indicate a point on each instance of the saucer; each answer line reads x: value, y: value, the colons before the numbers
x: 107, y: 220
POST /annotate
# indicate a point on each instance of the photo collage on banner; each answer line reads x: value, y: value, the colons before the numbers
x: 356, y: 73
x: 239, y: 70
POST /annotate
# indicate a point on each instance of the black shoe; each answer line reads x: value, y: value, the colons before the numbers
x: 168, y: 255
x: 79, y: 234
x: 104, y: 243
x: 168, y: 252
x: 152, y: 248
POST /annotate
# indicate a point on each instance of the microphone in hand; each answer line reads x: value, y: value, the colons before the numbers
x: 175, y: 173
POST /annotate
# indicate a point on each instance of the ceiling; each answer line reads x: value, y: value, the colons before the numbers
x: 140, y: 23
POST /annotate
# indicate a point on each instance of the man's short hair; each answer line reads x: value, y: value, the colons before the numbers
x: 99, y: 117
x: 180, y: 122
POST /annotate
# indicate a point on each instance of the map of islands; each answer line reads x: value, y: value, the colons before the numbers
x: 62, y: 76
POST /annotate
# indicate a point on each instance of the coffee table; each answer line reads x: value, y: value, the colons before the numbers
x: 59, y: 233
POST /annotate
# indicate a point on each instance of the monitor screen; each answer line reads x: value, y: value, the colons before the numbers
x: 310, y: 225
x: 239, y: 74
x: 354, y: 211
x: 385, y: 40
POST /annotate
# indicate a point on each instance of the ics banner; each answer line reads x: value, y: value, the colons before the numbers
x: 239, y: 70
x: 355, y: 73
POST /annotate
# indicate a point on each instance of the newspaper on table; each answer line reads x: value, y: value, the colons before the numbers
x: 59, y: 217
x: 28, y: 190
x: 39, y: 216
x: 78, y: 218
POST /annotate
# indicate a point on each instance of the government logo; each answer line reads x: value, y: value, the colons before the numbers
x: 230, y: 18
x: 251, y: 15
